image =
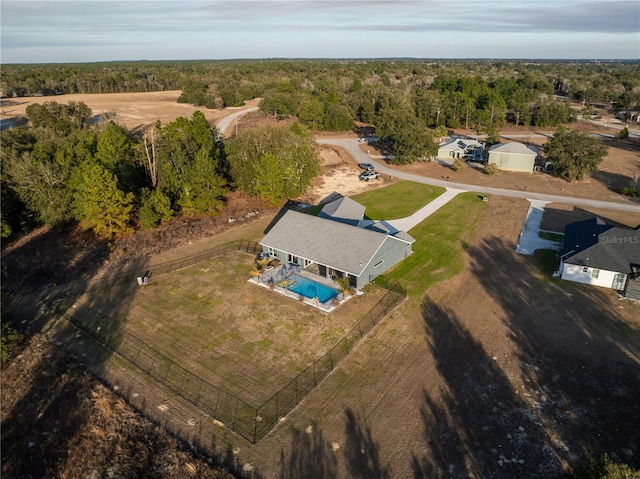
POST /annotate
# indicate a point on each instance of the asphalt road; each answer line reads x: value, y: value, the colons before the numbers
x: 352, y: 146
x: 224, y: 124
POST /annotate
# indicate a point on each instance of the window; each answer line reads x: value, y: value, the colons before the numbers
x: 595, y: 272
x: 378, y: 263
x: 618, y: 281
x: 271, y: 251
x: 585, y: 270
x: 291, y: 258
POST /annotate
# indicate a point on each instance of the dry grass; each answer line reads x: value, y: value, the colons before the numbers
x: 211, y: 321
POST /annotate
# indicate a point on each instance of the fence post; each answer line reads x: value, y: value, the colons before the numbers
x: 235, y: 416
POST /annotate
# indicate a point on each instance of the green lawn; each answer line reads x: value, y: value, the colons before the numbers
x: 440, y: 241
x: 399, y: 200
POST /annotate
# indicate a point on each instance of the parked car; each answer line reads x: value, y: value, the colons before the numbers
x: 366, y: 166
x: 368, y: 175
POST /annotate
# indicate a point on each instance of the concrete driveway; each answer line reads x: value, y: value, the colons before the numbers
x: 529, y: 241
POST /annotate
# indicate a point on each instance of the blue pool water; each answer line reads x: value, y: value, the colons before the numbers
x: 311, y: 289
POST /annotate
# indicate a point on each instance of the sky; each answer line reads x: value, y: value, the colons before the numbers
x: 96, y: 30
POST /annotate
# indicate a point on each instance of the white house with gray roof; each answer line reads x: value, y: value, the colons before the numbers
x: 334, y: 248
x: 600, y: 254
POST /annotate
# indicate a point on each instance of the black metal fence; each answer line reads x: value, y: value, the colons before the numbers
x: 250, y: 422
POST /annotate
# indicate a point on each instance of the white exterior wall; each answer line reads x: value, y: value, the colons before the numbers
x: 512, y: 161
x: 574, y: 272
x: 448, y: 155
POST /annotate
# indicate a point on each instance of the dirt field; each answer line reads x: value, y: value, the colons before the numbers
x: 499, y: 372
x: 135, y: 111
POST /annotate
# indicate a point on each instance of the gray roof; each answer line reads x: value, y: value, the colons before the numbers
x: 324, y: 241
x: 596, y: 244
x: 384, y: 227
x: 460, y: 144
x: 343, y: 209
x: 512, y: 147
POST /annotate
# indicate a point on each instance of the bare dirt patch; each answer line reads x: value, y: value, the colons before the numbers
x: 340, y: 174
x: 58, y: 421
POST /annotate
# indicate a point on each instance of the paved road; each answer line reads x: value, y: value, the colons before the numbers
x: 353, y: 147
x: 224, y: 124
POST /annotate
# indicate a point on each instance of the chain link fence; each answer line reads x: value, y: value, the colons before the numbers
x: 250, y: 422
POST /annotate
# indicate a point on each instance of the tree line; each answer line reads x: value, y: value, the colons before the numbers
x: 231, y: 81
x: 405, y: 99
x: 65, y: 169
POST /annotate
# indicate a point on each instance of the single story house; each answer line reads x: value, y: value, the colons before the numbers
x: 602, y: 255
x: 513, y: 156
x: 336, y: 247
x: 460, y: 148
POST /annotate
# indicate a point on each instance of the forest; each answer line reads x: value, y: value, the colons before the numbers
x: 65, y: 167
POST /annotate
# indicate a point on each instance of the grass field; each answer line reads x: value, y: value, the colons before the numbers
x: 399, y: 200
x: 443, y: 237
x: 211, y: 321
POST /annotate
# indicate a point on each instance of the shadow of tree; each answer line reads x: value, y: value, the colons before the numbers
x: 578, y: 351
x: 49, y: 274
x: 478, y: 425
x: 361, y: 450
x: 310, y: 456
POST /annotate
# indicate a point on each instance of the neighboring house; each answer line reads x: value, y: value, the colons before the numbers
x: 460, y: 148
x: 334, y: 246
x: 513, y: 156
x: 603, y: 255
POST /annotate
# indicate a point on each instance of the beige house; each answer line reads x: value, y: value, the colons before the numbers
x: 513, y: 156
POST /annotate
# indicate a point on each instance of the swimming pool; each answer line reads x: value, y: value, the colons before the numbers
x: 311, y: 289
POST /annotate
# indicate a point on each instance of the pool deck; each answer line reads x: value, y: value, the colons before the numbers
x: 272, y: 276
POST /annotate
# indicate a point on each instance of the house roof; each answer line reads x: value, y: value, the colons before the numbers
x: 328, y: 242
x: 384, y: 227
x: 343, y: 209
x: 596, y: 244
x: 460, y: 144
x: 512, y: 147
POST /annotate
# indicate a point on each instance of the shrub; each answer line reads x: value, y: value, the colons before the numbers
x: 490, y: 169
x: 457, y: 165
x: 10, y: 338
x: 629, y: 191
x: 623, y: 134
x: 606, y: 468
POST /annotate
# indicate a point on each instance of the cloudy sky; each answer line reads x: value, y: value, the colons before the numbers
x: 98, y: 30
